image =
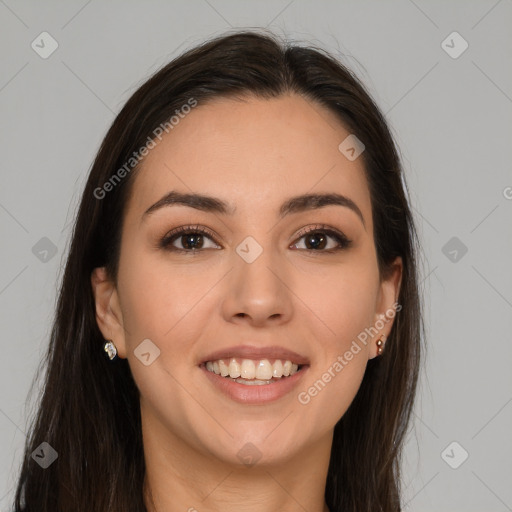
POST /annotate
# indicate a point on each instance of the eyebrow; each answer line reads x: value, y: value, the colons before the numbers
x: 296, y: 204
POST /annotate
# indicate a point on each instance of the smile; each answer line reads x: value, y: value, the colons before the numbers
x: 246, y: 388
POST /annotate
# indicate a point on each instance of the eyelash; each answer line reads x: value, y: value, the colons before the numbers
x: 165, y: 243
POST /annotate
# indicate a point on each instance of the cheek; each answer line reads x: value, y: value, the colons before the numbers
x: 342, y: 301
x: 330, y: 392
x: 157, y: 296
x: 168, y: 305
x: 157, y: 302
x: 344, y: 304
x: 334, y: 381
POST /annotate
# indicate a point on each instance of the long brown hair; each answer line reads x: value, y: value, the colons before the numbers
x: 89, y: 410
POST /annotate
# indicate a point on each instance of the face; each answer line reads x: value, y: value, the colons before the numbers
x: 254, y: 278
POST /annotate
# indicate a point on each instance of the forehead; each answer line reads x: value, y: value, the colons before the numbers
x: 253, y: 153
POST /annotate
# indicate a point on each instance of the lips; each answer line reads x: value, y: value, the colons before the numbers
x: 256, y: 353
x: 254, y: 391
x: 258, y: 394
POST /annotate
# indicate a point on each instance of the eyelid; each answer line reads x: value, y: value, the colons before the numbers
x: 191, y: 227
x: 318, y: 227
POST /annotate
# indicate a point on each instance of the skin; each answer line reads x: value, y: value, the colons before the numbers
x: 254, y: 154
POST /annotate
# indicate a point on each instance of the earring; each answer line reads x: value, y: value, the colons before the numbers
x: 110, y: 349
x: 380, y: 345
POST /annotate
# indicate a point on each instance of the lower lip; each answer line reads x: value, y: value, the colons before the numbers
x: 255, y: 394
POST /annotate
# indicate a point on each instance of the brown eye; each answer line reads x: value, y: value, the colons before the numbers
x: 315, y: 240
x: 322, y: 240
x: 189, y: 239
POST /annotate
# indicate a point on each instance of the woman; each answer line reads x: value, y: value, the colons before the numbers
x: 239, y: 323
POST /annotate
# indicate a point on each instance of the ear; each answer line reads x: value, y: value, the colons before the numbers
x: 387, y: 306
x: 108, y: 311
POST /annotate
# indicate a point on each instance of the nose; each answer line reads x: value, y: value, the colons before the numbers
x: 258, y: 293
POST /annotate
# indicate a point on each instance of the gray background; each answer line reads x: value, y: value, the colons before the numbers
x: 451, y: 118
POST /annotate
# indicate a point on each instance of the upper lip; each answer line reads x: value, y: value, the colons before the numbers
x: 257, y: 353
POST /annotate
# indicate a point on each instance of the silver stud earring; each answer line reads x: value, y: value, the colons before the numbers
x: 110, y: 349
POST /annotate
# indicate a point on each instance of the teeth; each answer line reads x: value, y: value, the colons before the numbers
x: 253, y: 382
x: 234, y: 369
x: 258, y: 372
x: 224, y: 368
x: 277, y: 369
x: 264, y: 370
x: 247, y: 370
